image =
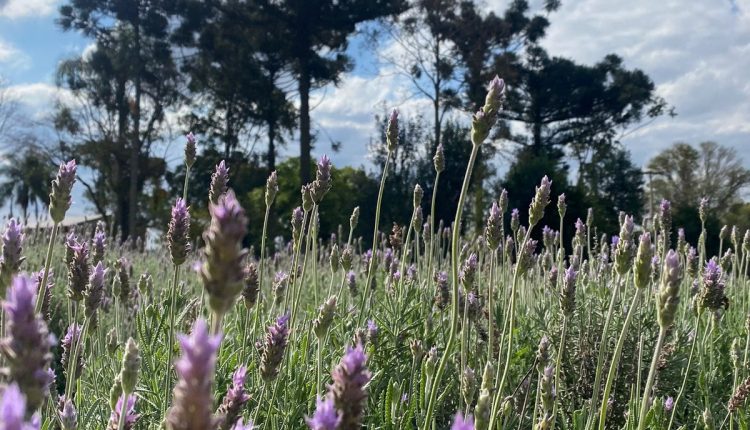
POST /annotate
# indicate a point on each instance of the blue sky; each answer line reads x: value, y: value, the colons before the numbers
x: 697, y: 52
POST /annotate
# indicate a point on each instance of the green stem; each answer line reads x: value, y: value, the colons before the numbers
x: 73, y: 360
x: 454, y: 270
x: 651, y: 377
x: 616, y: 358
x: 170, y: 337
x: 432, y: 224
x: 558, y: 365
x: 47, y: 263
x: 687, y: 372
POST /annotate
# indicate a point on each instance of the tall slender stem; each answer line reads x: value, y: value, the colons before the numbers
x: 650, y: 379
x: 170, y: 337
x: 687, y: 373
x: 454, y: 276
x: 47, y: 262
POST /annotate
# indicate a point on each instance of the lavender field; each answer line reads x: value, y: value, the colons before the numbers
x: 418, y: 326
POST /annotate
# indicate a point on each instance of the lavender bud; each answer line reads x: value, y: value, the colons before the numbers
x: 590, y: 218
x: 307, y: 197
x: 724, y: 232
x: 703, y: 209
x: 190, y: 150
x: 272, y: 187
x: 668, y: 293
x: 273, y: 348
x: 712, y: 295
x: 418, y: 195
x: 438, y: 159
x: 348, y: 389
x: 568, y: 294
x: 280, y: 282
x: 62, y: 185
x: 12, y: 253
x: 346, y: 258
x: 72, y: 336
x: 325, y: 317
x: 69, y: 416
x: 391, y: 131
x: 322, y: 183
x: 468, y: 385
x: 561, y: 205
x: 251, y: 286
x: 372, y: 332
x: 221, y: 271
x: 443, y: 296
x: 27, y: 343
x: 354, y: 219
x: 131, y: 366
x: 351, y: 283
x: 326, y: 417
x: 335, y: 259
x: 468, y: 271
x: 178, y: 239
x: 515, y: 221
x: 297, y: 219
x: 192, y: 396
x: 484, y: 403
x: 230, y: 410
x: 485, y: 118
x: 98, y: 245
x: 642, y: 272
x: 219, y: 182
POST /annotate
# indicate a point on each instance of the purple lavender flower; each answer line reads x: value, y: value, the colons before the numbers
x: 493, y: 231
x: 568, y: 294
x: 251, y: 284
x: 540, y: 201
x: 351, y: 282
x: 72, y: 336
x: 190, y: 150
x: 443, y: 295
x: 712, y: 293
x: 27, y: 344
x: 469, y: 271
x: 12, y: 253
x: 273, y: 348
x: 219, y: 182
x: 391, y: 131
x: 515, y: 221
x: 231, y: 407
x: 192, y: 396
x: 98, y: 245
x: 272, y: 187
x: 668, y: 404
x: 438, y: 160
x: 68, y: 415
x: 322, y: 183
x: 372, y: 332
x: 461, y: 423
x: 78, y: 272
x: 702, y: 208
x: 62, y: 185
x: 665, y: 216
x: 130, y: 416
x: 13, y: 410
x: 242, y: 426
x: 178, y: 240
x: 95, y: 290
x: 298, y: 217
x: 348, y: 389
x: 326, y: 417
x: 222, y: 271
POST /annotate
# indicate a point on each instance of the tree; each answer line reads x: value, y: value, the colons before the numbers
x: 27, y: 175
x: 685, y: 174
x: 315, y: 34
x: 236, y: 74
x: 126, y: 86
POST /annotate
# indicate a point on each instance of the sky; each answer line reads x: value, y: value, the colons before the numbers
x: 696, y: 51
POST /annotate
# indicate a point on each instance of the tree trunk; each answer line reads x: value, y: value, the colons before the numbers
x: 135, y: 150
x: 122, y: 130
x: 304, y: 123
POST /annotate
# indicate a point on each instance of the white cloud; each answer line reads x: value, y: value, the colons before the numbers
x: 27, y: 8
x: 11, y: 57
x: 697, y: 52
x: 37, y: 100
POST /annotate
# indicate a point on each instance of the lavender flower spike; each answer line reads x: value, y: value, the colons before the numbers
x: 322, y: 183
x: 62, y: 185
x: 219, y: 182
x: 222, y: 271
x: 98, y: 246
x: 190, y: 150
x: 326, y: 417
x: 130, y: 416
x: 230, y: 410
x: 391, y: 131
x: 193, y: 395
x: 242, y: 426
x: 461, y: 423
x: 178, y: 240
x: 12, y: 253
x: 13, y: 410
x: 27, y: 344
x: 273, y: 348
x: 95, y: 290
x: 348, y: 388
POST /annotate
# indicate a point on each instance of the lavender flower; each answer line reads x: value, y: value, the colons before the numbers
x: 98, y: 245
x: 72, y: 336
x: 221, y: 271
x: 242, y: 426
x: 27, y: 344
x: 78, y: 272
x: 192, y: 396
x: 326, y: 417
x: 272, y: 187
x: 493, y: 232
x: 668, y: 298
x: 351, y: 283
x: 230, y: 410
x: 190, y: 150
x: 515, y: 220
x: 372, y: 332
x: 325, y: 317
x: 273, y: 348
x: 485, y: 118
x: 322, y: 183
x: 12, y: 253
x: 469, y: 271
x: 130, y: 416
x: 568, y: 294
x: 13, y: 410
x: 251, y: 285
x: 461, y: 423
x: 665, y: 216
x: 668, y: 404
x: 95, y: 290
x: 712, y: 295
x: 47, y: 292
x: 391, y: 131
x: 642, y: 271
x: 178, y: 240
x: 68, y: 415
x: 438, y: 160
x: 298, y: 217
x: 219, y: 182
x: 348, y: 389
x: 62, y: 185
x: 280, y: 283
x: 443, y: 295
